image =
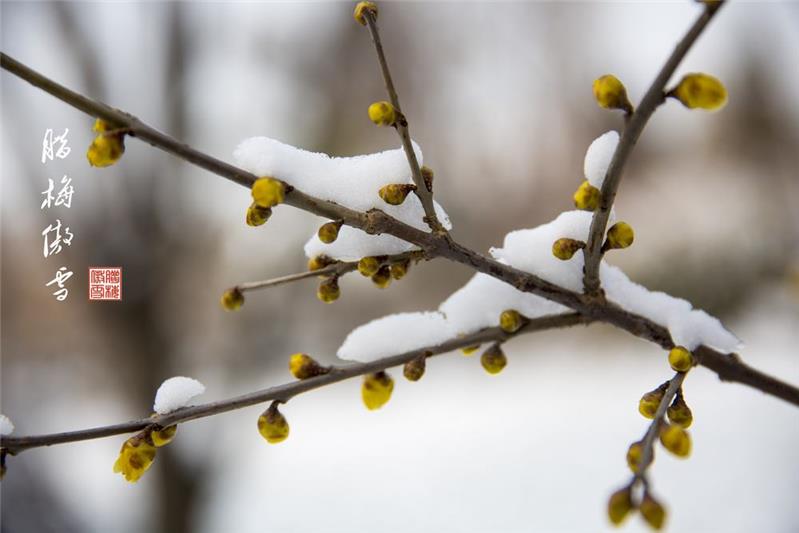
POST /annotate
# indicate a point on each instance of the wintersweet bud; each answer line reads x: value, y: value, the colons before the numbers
x: 564, y: 248
x: 620, y: 504
x: 586, y: 197
x: 620, y: 235
x: 400, y: 269
x: 272, y: 425
x: 232, y: 299
x: 396, y: 193
x: 510, y: 321
x: 652, y: 511
x: 368, y: 266
x: 360, y: 11
x: 680, y: 359
x: 303, y: 366
x: 427, y: 177
x: 383, y: 113
x: 106, y: 148
x: 679, y: 413
x: 610, y: 93
x: 328, y: 291
x: 634, y: 455
x: 676, y: 440
x: 469, y: 350
x: 257, y: 215
x: 414, y: 369
x: 268, y: 192
x: 319, y: 262
x: 649, y: 402
x: 376, y: 390
x: 135, y: 457
x: 163, y: 436
x: 702, y: 91
x: 2, y: 464
x: 382, y: 278
x: 493, y: 359
x: 329, y: 232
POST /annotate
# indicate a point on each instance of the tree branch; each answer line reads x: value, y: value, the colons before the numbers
x: 287, y: 391
x: 632, y: 131
x: 434, y: 245
x: 425, y: 195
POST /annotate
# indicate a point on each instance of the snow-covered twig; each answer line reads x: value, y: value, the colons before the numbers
x: 289, y: 390
x: 728, y: 367
x: 634, y: 125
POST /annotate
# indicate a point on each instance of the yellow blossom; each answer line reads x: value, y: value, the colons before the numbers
x: 680, y: 359
x: 329, y: 232
x: 395, y: 193
x: 676, y: 440
x: 376, y: 390
x: 702, y: 91
x: 257, y: 215
x: 510, y: 321
x: 610, y: 93
x: 303, y: 366
x: 360, y: 11
x: 272, y: 425
x: 268, y: 192
x: 620, y: 504
x: 135, y: 457
x: 652, y: 511
x: 382, y: 113
x: 620, y: 235
x: 232, y: 299
x: 564, y: 248
x: 328, y: 291
x: 586, y: 197
x: 106, y: 149
x: 162, y: 437
x: 493, y: 359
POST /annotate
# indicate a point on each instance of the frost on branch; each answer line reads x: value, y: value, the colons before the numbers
x: 352, y: 182
x: 175, y: 393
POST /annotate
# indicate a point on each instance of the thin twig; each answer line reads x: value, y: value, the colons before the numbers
x: 289, y: 390
x: 652, y: 433
x: 425, y: 195
x: 433, y: 245
x: 632, y: 131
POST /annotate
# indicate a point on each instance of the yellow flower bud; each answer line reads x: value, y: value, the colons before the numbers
x: 272, y: 425
x: 162, y: 437
x: 106, y: 149
x: 319, y: 262
x: 679, y: 413
x: 328, y: 291
x: 268, y: 192
x: 652, y: 511
x: 680, y: 359
x: 493, y: 359
x: 368, y: 266
x: 376, y: 390
x: 469, y: 350
x: 676, y: 440
x: 360, y: 11
x: 101, y: 126
x: 414, y: 369
x: 329, y: 232
x: 232, y: 299
x: 382, y: 113
x: 396, y: 193
x: 510, y: 321
x: 620, y: 235
x: 700, y: 91
x: 135, y: 457
x: 586, y: 197
x: 649, y: 402
x: 257, y: 215
x: 427, y: 177
x: 303, y: 366
x: 382, y: 278
x: 610, y: 93
x: 634, y: 455
x: 620, y: 504
x: 564, y: 249
x: 400, y: 269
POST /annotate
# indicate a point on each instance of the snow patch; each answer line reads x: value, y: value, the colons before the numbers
x: 175, y: 393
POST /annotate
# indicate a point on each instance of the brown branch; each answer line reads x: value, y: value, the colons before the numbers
x: 289, y: 390
x: 433, y: 245
x: 652, y: 433
x: 632, y: 131
x: 425, y: 195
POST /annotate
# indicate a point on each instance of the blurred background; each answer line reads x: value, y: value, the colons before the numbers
x: 499, y: 97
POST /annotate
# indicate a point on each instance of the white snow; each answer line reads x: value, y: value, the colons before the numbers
x: 478, y: 304
x: 352, y: 182
x: 395, y: 334
x: 598, y: 157
x: 175, y: 393
x: 6, y: 426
